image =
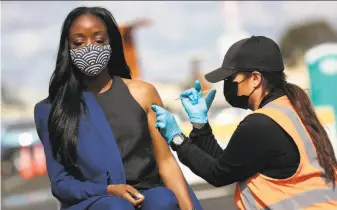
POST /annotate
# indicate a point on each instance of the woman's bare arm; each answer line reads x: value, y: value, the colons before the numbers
x: 169, y: 169
x: 146, y: 95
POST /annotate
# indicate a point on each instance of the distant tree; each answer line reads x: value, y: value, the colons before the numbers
x: 299, y: 38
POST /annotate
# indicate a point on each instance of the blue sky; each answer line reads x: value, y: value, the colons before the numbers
x: 30, y: 33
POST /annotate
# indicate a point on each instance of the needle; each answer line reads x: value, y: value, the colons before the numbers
x: 201, y: 93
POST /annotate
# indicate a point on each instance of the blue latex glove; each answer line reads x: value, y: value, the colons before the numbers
x: 195, y: 105
x: 166, y: 123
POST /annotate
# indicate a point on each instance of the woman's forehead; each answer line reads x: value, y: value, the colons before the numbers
x: 87, y: 22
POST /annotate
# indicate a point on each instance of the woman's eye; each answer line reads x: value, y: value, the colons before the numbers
x: 77, y: 43
x: 100, y: 41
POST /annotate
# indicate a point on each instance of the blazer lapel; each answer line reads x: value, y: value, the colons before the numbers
x: 98, y: 121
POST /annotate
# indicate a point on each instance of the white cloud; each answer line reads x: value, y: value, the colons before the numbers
x: 256, y: 13
x: 34, y: 14
x: 23, y: 44
x: 25, y: 51
x: 159, y: 65
x: 300, y: 11
x: 8, y: 12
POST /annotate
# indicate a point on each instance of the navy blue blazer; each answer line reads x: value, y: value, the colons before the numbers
x: 98, y: 158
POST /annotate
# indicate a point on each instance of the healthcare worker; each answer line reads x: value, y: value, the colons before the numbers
x: 279, y: 155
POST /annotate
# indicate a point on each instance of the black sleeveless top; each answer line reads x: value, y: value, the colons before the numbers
x: 129, y: 124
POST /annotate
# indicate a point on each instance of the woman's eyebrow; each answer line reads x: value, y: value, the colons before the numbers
x: 77, y: 34
x: 98, y: 32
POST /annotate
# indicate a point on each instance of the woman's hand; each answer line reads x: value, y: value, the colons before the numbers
x: 128, y: 193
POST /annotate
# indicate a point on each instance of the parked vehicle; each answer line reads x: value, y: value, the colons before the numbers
x: 21, y: 149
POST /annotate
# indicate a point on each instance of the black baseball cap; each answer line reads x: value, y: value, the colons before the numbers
x: 257, y: 53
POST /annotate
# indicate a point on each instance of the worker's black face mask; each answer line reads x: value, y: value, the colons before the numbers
x: 230, y: 91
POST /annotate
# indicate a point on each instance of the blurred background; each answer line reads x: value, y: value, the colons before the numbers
x: 169, y: 44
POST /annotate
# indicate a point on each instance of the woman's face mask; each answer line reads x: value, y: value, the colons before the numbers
x: 91, y: 59
x: 230, y: 91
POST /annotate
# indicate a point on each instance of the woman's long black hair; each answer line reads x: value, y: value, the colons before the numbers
x: 66, y: 87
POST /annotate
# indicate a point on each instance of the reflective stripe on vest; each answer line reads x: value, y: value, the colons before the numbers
x: 301, y: 200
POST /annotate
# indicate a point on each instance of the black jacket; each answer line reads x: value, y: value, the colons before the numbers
x: 258, y: 145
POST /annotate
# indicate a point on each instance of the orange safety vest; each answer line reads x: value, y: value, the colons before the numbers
x: 306, y: 189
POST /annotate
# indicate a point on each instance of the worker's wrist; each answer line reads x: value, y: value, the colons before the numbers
x: 177, y: 141
x: 187, y: 141
x: 198, y: 125
x: 205, y: 130
x: 200, y: 118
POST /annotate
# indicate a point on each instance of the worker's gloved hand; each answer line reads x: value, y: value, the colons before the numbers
x: 195, y: 105
x: 168, y: 127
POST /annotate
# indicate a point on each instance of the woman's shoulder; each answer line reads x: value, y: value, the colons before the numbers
x: 140, y: 87
x: 44, y: 102
x: 42, y: 106
x: 143, y: 92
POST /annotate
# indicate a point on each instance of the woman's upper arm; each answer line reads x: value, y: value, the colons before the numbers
x: 161, y: 148
x: 146, y: 95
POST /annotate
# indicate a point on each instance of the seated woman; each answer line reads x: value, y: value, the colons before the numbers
x: 97, y: 127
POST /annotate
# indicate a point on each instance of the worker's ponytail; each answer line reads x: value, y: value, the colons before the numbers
x: 302, y: 105
x: 319, y: 136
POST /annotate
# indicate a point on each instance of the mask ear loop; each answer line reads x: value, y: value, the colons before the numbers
x: 254, y: 87
x: 244, y: 80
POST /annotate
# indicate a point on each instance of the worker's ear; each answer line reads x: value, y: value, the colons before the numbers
x: 256, y: 78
